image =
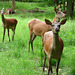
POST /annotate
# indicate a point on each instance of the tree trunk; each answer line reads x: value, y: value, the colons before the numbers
x: 64, y: 6
x: 13, y: 4
x: 70, y: 7
x: 56, y: 2
x: 60, y: 3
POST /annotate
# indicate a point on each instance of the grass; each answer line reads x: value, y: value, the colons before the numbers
x: 14, y: 57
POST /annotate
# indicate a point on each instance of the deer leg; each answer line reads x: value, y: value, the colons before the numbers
x: 30, y: 41
x: 51, y: 69
x: 44, y: 62
x: 42, y: 45
x: 13, y: 34
x: 3, y: 35
x: 50, y: 66
x: 14, y: 30
x: 8, y: 35
x: 33, y: 37
x: 42, y: 41
x: 57, y: 65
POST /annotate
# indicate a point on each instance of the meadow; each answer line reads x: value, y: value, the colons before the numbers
x: 14, y: 57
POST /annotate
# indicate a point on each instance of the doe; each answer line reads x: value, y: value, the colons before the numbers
x: 53, y: 44
x: 8, y: 24
x: 38, y: 28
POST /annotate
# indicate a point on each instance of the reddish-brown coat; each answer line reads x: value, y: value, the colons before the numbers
x: 38, y: 28
x: 10, y: 23
x: 53, y: 45
x: 48, y: 47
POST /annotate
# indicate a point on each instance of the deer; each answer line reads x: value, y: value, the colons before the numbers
x: 8, y: 24
x: 38, y: 27
x: 53, y: 44
x: 10, y: 11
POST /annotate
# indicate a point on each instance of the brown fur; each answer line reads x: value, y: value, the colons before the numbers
x: 38, y: 28
x: 53, y: 45
x: 48, y: 44
x: 8, y: 24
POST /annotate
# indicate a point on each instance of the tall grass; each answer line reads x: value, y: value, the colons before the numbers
x: 14, y: 57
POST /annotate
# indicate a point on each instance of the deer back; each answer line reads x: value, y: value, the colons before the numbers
x: 10, y: 23
x: 38, y: 27
x: 33, y: 22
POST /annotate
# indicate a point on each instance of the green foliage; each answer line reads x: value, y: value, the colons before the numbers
x: 72, y: 69
x: 4, y: 0
x: 14, y: 57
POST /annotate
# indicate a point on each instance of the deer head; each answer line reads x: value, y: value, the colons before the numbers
x: 55, y: 26
x: 2, y: 11
x: 59, y: 13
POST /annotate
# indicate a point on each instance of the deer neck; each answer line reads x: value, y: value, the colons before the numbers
x: 55, y: 41
x: 56, y: 19
x: 3, y: 19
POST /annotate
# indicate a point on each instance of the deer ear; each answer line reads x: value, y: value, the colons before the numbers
x: 2, y: 11
x: 48, y: 22
x: 56, y: 9
x: 65, y: 12
x: 63, y: 22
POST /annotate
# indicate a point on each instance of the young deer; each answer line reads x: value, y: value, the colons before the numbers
x: 8, y: 24
x: 53, y: 44
x: 38, y: 28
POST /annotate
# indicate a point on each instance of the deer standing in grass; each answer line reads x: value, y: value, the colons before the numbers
x: 53, y: 44
x: 8, y: 24
x: 38, y: 28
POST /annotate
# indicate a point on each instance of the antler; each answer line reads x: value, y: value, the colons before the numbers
x: 56, y: 9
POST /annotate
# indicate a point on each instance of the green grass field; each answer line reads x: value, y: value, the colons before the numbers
x: 14, y: 57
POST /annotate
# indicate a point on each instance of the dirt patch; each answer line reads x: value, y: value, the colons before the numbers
x: 36, y: 10
x: 23, y: 11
